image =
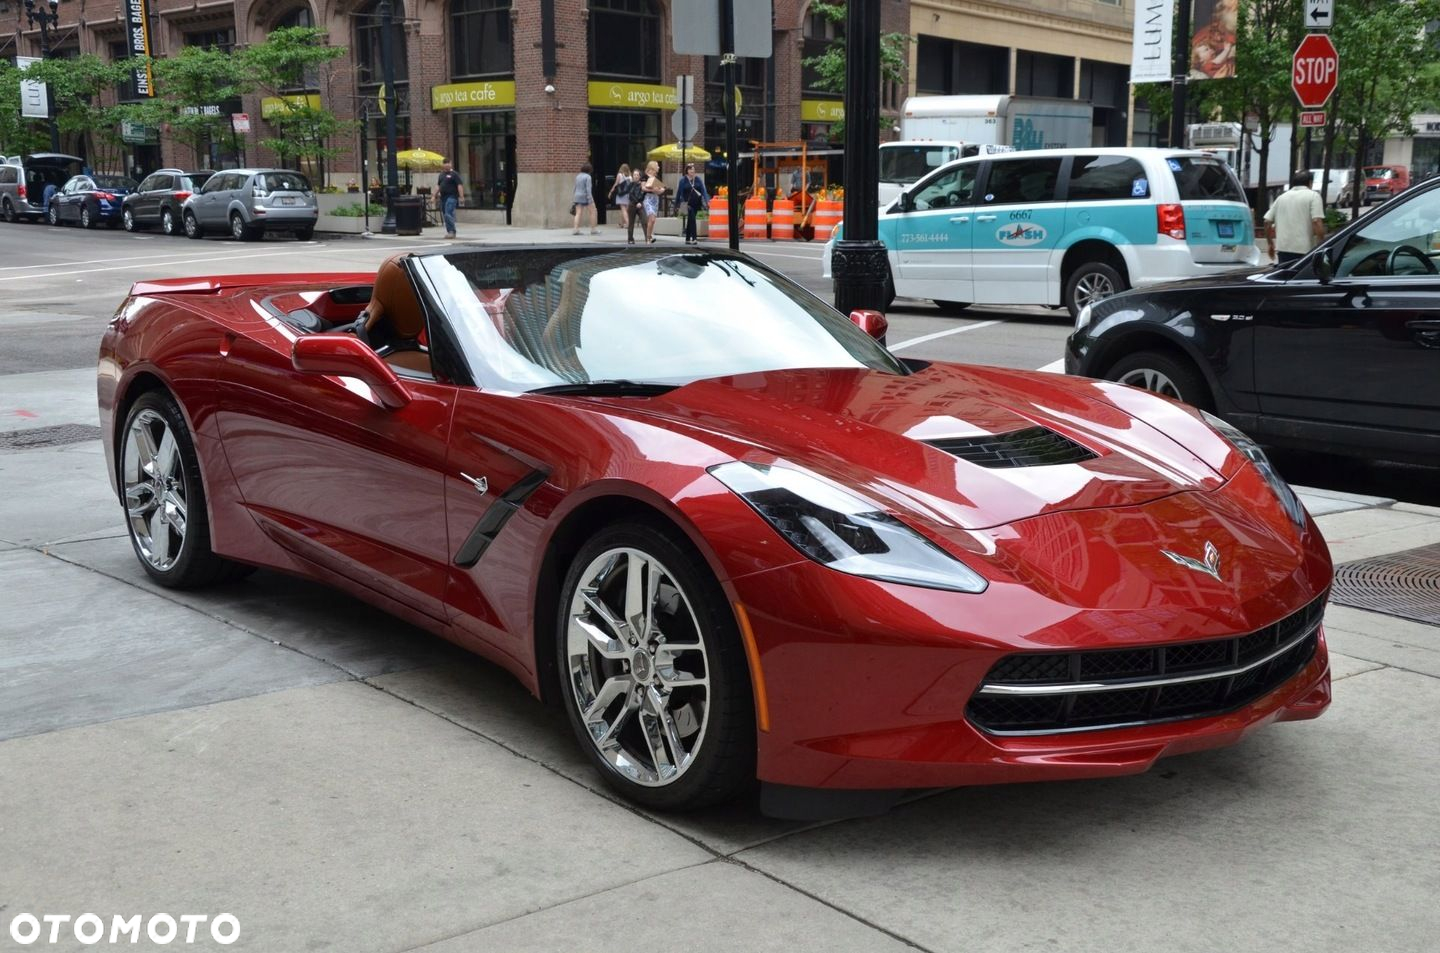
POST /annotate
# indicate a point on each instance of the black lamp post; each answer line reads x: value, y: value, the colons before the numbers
x: 860, y: 264
x: 47, y: 20
x: 387, y: 67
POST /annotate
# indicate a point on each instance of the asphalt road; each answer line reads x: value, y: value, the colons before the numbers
x: 60, y: 285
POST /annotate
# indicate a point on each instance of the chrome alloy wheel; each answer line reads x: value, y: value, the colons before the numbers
x: 637, y: 668
x: 1152, y: 380
x: 1094, y: 288
x: 155, y: 491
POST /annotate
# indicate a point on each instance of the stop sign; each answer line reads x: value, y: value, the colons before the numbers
x: 1315, y: 70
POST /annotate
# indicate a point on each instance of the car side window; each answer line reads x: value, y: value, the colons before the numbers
x: 164, y: 182
x: 1107, y: 178
x: 1022, y: 181
x: 1403, y: 240
x: 7, y: 175
x: 953, y: 188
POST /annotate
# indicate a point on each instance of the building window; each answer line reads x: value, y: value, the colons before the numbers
x: 370, y: 68
x: 820, y: 32
x: 300, y: 16
x: 1042, y: 74
x: 485, y: 157
x: 625, y: 38
x: 481, y: 42
x: 950, y: 67
x: 223, y: 40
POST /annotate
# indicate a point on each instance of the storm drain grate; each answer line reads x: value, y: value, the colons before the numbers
x: 37, y: 437
x: 1405, y: 584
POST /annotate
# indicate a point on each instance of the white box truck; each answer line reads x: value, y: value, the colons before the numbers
x: 936, y: 129
x: 1239, y: 147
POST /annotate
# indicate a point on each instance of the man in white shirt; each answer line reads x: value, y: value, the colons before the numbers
x: 1295, y: 222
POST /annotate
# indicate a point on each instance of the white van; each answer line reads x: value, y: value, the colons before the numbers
x: 1064, y: 226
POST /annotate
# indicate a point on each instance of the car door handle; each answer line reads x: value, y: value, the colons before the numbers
x: 961, y: 219
x: 985, y: 218
x: 1426, y: 333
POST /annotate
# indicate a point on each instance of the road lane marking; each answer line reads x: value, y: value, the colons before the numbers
x: 1054, y: 367
x: 939, y: 334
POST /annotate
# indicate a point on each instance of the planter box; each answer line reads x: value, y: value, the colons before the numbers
x: 345, y: 224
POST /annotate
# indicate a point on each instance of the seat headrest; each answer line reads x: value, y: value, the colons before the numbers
x: 394, y: 300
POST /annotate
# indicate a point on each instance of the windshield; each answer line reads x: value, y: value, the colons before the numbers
x: 1201, y: 178
x: 114, y: 182
x: 535, y: 318
x: 906, y: 164
x: 282, y: 182
x: 1380, y: 172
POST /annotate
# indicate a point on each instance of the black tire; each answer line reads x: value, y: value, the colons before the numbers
x: 9, y: 212
x: 1087, y: 285
x: 127, y: 218
x: 240, y: 231
x: 723, y: 762
x: 52, y: 214
x: 87, y: 217
x: 951, y: 307
x: 192, y: 226
x: 1150, y: 370
x: 304, y: 234
x: 167, y: 222
x: 195, y: 564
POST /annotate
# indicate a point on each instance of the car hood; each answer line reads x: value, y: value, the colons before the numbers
x: 921, y: 444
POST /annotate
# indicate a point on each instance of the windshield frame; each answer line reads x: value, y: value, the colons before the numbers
x: 486, y: 368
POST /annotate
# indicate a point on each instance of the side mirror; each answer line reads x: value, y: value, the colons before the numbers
x: 906, y: 202
x: 343, y: 355
x: 1323, y: 270
x: 871, y: 322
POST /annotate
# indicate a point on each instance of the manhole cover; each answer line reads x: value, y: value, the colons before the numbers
x: 56, y: 436
x: 1401, y: 584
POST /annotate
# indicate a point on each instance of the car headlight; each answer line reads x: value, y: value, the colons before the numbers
x: 1251, y: 449
x: 842, y: 531
x: 1082, y: 319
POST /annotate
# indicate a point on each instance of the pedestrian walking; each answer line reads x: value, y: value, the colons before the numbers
x: 584, y: 198
x: 635, y: 188
x: 654, y: 188
x: 620, y: 192
x: 1295, y: 221
x: 691, y: 196
x: 450, y: 190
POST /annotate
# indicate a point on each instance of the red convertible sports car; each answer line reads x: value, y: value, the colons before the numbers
x: 733, y: 535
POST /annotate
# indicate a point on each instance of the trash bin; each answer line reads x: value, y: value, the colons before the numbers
x: 409, y: 214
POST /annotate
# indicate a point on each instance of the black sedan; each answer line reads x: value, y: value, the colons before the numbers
x: 90, y: 200
x: 1339, y: 351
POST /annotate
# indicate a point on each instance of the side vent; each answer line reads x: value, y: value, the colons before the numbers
x: 1031, y: 447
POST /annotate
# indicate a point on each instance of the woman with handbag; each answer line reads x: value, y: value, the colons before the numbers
x: 620, y: 193
x: 691, y: 196
x: 654, y: 188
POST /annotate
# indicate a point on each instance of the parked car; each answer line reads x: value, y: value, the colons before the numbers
x: 730, y: 534
x: 1063, y: 226
x: 1382, y: 182
x: 27, y: 181
x: 158, y: 200
x: 1338, y: 352
x: 247, y: 203
x: 89, y: 200
x: 1338, y: 180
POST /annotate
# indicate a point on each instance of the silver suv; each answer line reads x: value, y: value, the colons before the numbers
x: 27, y: 182
x: 249, y: 202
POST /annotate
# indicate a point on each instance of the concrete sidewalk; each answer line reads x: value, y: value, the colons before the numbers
x: 338, y: 780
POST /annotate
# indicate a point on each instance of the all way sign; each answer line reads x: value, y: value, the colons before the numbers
x: 1315, y: 71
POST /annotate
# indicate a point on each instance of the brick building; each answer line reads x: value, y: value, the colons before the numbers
x: 472, y: 83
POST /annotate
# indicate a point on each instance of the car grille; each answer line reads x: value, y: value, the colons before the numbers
x: 1031, y: 447
x: 1045, y: 693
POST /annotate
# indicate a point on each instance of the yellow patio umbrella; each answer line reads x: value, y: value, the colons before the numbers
x: 418, y: 159
x: 671, y: 153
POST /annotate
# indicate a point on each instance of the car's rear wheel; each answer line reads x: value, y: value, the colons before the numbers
x: 9, y: 211
x: 951, y: 307
x: 164, y: 497
x: 167, y: 222
x: 192, y: 227
x: 1091, y: 282
x: 652, y: 670
x: 304, y: 234
x: 241, y: 231
x: 87, y: 217
x: 1163, y: 374
x: 53, y: 214
x: 127, y: 218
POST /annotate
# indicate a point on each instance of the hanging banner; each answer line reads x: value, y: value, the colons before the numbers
x: 1154, y: 26
x: 1212, y: 45
x: 34, y: 97
x: 137, y: 25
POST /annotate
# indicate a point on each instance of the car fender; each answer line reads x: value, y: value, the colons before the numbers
x: 1117, y: 241
x: 1133, y: 335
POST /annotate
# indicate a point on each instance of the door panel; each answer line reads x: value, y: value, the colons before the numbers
x: 932, y: 240
x: 1019, y: 221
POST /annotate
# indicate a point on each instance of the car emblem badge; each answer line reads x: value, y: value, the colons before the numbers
x: 1210, y: 567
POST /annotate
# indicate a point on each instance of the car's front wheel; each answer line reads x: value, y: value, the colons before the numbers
x: 951, y: 307
x: 192, y: 227
x: 127, y: 218
x: 1163, y: 374
x: 164, y: 497
x: 652, y: 670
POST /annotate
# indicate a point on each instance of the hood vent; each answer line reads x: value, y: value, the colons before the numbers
x: 1031, y: 447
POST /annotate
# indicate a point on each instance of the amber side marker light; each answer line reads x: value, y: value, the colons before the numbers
x: 752, y: 652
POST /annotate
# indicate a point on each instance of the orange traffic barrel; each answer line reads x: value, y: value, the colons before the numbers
x: 755, y: 217
x: 719, y: 219
x: 782, y: 220
x: 827, y: 216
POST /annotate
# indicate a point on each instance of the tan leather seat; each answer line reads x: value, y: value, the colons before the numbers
x: 395, y: 319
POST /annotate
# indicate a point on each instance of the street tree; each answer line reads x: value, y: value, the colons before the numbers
x: 17, y: 134
x: 285, y: 66
x: 189, y: 82
x: 829, y: 66
x: 79, y: 90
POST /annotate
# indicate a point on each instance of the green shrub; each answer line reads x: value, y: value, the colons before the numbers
x: 357, y: 210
